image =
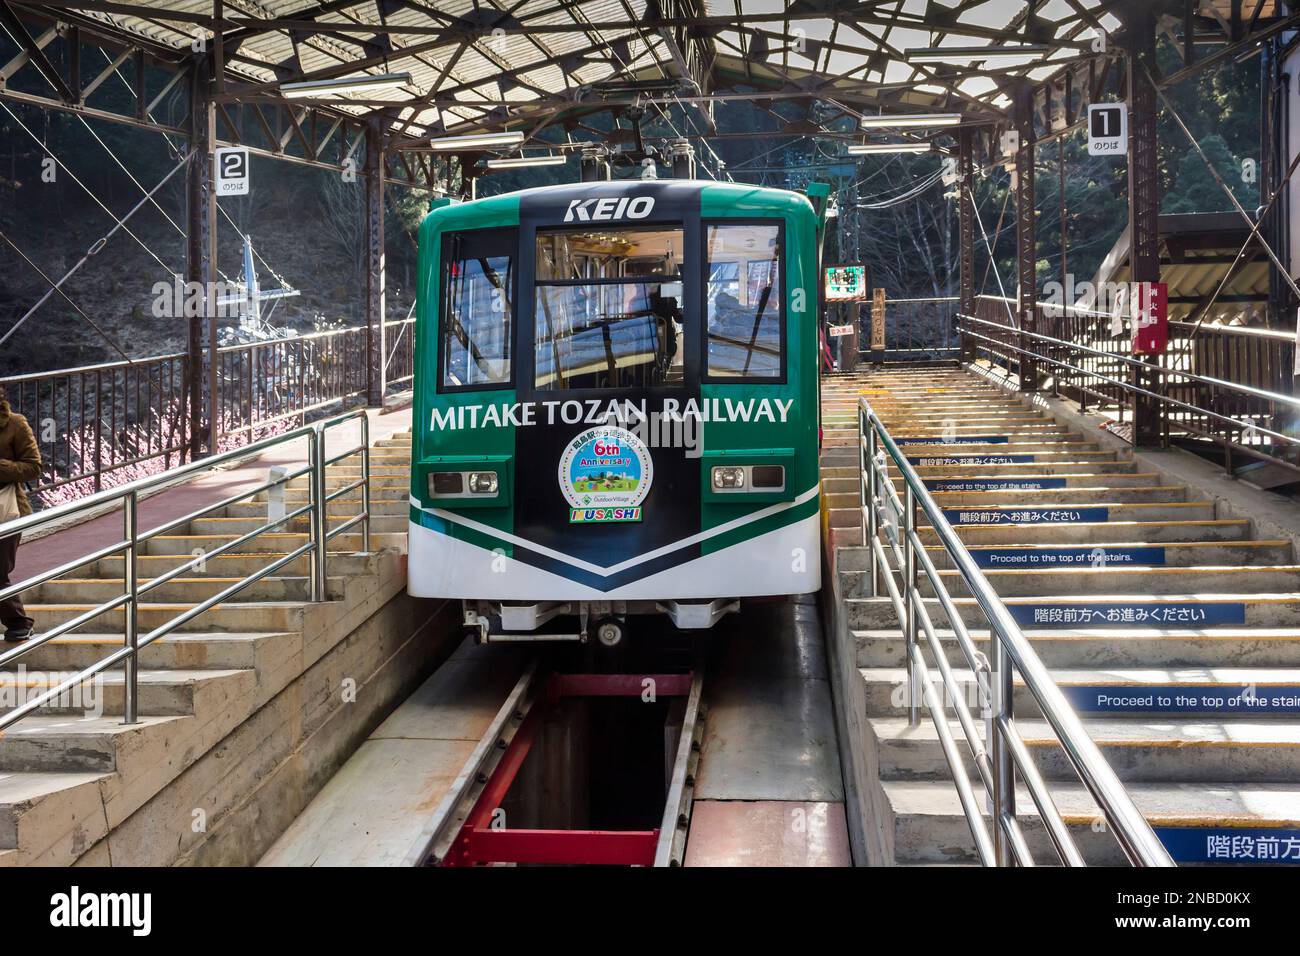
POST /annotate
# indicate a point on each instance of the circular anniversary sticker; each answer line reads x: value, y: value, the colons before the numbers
x: 606, y: 467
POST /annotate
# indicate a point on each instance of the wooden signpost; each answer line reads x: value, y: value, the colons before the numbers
x: 878, y: 325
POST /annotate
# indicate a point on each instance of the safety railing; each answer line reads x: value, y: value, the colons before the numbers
x: 106, y: 424
x: 133, y: 540
x: 1240, y: 419
x: 266, y: 382
x: 999, y: 754
x: 96, y: 420
x: 399, y: 343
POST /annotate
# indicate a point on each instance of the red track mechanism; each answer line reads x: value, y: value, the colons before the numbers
x: 478, y: 842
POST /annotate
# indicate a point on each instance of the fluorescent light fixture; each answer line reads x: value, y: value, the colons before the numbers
x: 518, y: 162
x: 910, y: 120
x: 943, y: 54
x: 478, y: 140
x: 875, y: 149
x: 363, y: 83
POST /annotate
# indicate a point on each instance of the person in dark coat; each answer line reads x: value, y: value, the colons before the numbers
x: 20, y: 461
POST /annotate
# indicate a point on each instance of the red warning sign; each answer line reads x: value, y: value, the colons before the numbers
x: 1151, y: 319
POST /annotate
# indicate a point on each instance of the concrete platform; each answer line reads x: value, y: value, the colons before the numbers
x: 769, y: 790
x: 768, y: 833
x: 47, y: 551
x: 372, y: 811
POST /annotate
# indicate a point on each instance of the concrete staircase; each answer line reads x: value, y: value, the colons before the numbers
x: 240, y: 710
x: 1175, y: 633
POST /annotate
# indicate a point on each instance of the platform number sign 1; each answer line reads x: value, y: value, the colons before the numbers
x: 230, y: 166
x: 1107, y: 129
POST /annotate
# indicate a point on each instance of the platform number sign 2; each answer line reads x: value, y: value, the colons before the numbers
x: 1107, y: 129
x: 230, y: 165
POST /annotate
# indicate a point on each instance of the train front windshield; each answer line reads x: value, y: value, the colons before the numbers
x: 608, y: 310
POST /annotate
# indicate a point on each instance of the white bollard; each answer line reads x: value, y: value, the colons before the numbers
x: 275, y: 494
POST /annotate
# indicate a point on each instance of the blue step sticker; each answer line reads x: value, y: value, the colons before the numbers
x: 927, y: 462
x: 995, y: 484
x: 1057, y: 515
x: 956, y: 440
x: 1096, y: 556
x: 1162, y: 614
x: 1269, y: 845
x: 1183, y: 699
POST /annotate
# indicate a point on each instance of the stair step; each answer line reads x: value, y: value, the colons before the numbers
x: 198, y: 650
x: 1172, y: 611
x: 269, y: 541
x: 1133, y: 527
x: 45, y: 809
x: 232, y: 564
x: 1098, y: 467
x: 55, y: 742
x: 1026, y: 582
x: 188, y: 589
x: 1076, y: 509
x: 161, y: 692
x: 344, y: 507
x: 234, y: 527
x: 1174, y: 693
x: 1190, y: 819
x: 1138, y: 749
x: 1114, y: 647
x: 230, y: 617
x: 1117, y: 555
x: 1023, y: 479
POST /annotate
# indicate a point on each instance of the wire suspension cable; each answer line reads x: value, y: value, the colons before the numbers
x: 177, y: 151
x: 1286, y: 273
x: 96, y: 247
x: 120, y: 223
x: 993, y: 261
x: 89, y: 321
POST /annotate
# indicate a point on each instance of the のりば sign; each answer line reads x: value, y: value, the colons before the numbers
x: 1107, y: 129
x: 230, y: 171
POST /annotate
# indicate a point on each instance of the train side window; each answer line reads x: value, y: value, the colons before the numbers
x: 743, y: 301
x: 478, y: 311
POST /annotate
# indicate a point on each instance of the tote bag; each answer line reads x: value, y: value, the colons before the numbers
x: 8, y: 502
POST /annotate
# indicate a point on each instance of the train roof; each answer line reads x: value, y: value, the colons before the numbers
x: 673, y: 197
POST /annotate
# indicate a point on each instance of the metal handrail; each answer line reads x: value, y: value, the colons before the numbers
x: 1249, y: 331
x: 132, y: 539
x: 1002, y: 752
x: 1246, y: 390
x: 84, y: 369
x: 1249, y: 390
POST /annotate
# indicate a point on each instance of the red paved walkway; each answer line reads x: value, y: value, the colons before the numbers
x: 209, y: 488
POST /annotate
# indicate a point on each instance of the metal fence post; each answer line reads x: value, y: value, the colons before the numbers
x: 910, y: 597
x: 869, y: 536
x: 365, y: 482
x: 130, y: 587
x: 319, y: 516
x: 1004, y: 780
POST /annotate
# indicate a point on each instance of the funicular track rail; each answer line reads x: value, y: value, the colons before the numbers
x: 463, y: 830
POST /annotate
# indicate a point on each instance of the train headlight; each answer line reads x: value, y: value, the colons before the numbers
x: 483, y: 482
x: 728, y: 477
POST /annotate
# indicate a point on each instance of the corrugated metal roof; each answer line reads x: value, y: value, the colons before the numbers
x: 503, y: 61
x: 591, y: 33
